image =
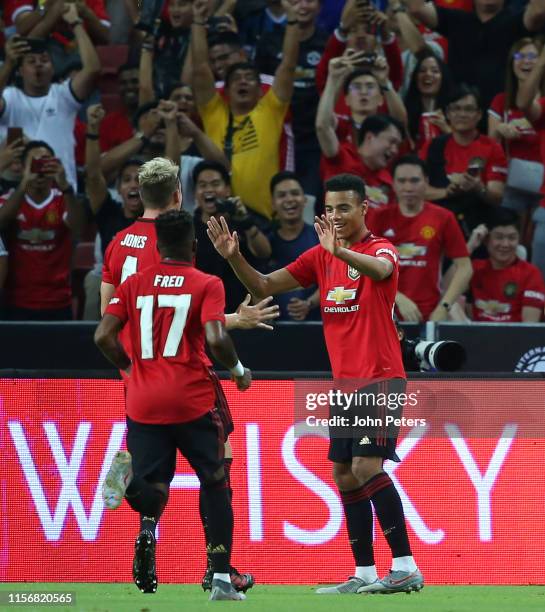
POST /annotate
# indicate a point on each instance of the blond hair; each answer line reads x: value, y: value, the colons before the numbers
x: 158, y: 181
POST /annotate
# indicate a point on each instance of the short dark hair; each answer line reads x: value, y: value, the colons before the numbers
x: 36, y: 144
x: 224, y: 38
x: 501, y: 217
x: 280, y: 177
x: 346, y: 182
x: 376, y: 124
x: 463, y: 90
x: 354, y: 75
x: 175, y: 231
x: 142, y: 110
x: 410, y: 160
x: 241, y: 66
x: 211, y: 165
x: 133, y: 161
x: 174, y: 86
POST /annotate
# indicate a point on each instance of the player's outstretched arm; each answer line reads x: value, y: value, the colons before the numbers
x: 106, y: 340
x: 376, y: 268
x: 222, y: 348
x: 250, y: 317
x: 260, y: 285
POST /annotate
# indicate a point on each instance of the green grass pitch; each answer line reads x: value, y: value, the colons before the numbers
x: 105, y: 597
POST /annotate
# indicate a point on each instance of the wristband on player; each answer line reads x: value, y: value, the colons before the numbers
x: 238, y: 370
x: 446, y: 306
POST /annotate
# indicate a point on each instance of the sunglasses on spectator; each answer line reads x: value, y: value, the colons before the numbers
x: 361, y: 87
x: 532, y: 55
x: 455, y: 109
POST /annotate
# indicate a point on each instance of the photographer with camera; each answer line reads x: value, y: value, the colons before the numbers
x: 43, y: 109
x: 213, y: 199
x: 42, y: 218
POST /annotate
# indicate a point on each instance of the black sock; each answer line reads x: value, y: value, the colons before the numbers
x: 145, y: 498
x: 219, y: 515
x: 149, y: 523
x: 204, y: 519
x: 359, y: 522
x: 389, y: 510
x: 227, y: 463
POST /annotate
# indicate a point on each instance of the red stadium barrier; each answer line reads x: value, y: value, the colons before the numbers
x: 474, y: 507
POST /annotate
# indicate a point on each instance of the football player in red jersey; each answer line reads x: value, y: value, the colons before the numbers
x: 169, y: 309
x: 135, y: 249
x: 357, y: 275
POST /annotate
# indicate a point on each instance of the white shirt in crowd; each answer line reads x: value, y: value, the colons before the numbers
x: 50, y: 118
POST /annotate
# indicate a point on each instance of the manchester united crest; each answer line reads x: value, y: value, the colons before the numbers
x: 353, y: 274
x: 510, y: 289
x: 51, y: 217
x: 427, y: 232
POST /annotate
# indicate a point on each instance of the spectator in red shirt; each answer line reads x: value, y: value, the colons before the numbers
x: 32, y: 18
x: 423, y: 234
x: 117, y: 127
x: 504, y: 288
x: 508, y: 125
x: 533, y: 106
x: 467, y: 169
x: 41, y: 216
x: 378, y: 143
x: 428, y: 92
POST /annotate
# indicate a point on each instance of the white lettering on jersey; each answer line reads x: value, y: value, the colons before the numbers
x: 168, y: 281
x: 134, y: 241
x: 388, y: 252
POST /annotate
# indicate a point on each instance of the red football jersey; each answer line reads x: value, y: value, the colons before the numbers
x: 165, y: 308
x: 378, y: 184
x: 528, y: 146
x: 115, y: 129
x: 132, y: 250
x: 421, y: 242
x: 499, y: 295
x: 40, y: 248
x: 483, y: 151
x: 359, y: 331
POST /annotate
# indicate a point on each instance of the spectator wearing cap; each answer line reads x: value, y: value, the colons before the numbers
x: 247, y: 127
x: 377, y: 146
x: 479, y: 41
x: 304, y: 103
x: 42, y: 218
x: 45, y: 110
x: 213, y: 199
x: 467, y: 169
x: 290, y: 236
x: 504, y: 288
x: 423, y: 234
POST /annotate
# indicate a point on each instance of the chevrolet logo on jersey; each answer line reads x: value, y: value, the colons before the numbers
x: 408, y: 250
x: 493, y: 307
x: 340, y: 296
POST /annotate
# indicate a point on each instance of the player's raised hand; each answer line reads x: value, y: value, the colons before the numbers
x: 225, y: 243
x: 243, y: 382
x: 327, y: 234
x: 250, y: 317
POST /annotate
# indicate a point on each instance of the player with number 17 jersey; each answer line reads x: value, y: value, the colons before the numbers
x: 166, y: 307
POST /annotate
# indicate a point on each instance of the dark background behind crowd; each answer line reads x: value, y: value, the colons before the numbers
x: 438, y: 106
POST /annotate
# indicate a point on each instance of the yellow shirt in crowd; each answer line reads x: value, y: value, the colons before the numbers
x: 255, y: 144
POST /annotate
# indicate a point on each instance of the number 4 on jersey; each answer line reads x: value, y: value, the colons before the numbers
x: 146, y: 305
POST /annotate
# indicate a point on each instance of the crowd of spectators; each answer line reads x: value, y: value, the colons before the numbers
x: 439, y: 106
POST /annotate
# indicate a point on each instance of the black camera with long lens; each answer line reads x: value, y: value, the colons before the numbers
x: 226, y: 206
x: 423, y: 356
